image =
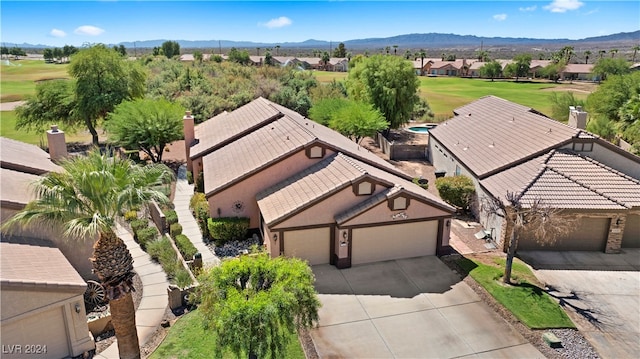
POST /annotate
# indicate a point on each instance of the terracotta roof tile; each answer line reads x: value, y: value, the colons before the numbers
x: 37, y: 266
x: 24, y: 157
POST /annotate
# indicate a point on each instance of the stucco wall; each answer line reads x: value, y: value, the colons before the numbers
x: 381, y: 213
x: 247, y: 189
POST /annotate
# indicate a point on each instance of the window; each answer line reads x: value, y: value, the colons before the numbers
x: 458, y: 170
x: 583, y: 146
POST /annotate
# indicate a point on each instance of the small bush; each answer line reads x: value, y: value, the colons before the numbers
x: 185, y: 246
x: 182, y: 278
x: 138, y: 224
x: 196, y: 199
x: 189, y: 177
x: 130, y: 216
x: 157, y: 246
x: 200, y: 183
x: 226, y: 229
x: 146, y: 235
x: 175, y: 229
x: 171, y: 216
x: 457, y: 191
x: 200, y: 209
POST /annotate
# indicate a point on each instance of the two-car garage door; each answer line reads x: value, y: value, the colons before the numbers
x: 373, y: 244
x: 588, y: 234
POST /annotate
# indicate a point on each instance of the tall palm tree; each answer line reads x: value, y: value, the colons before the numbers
x: 257, y: 51
x: 277, y: 48
x: 395, y: 50
x: 422, y: 55
x: 602, y: 52
x: 586, y: 56
x: 613, y: 52
x: 86, y: 198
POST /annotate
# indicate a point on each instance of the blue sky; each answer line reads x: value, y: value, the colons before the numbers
x: 57, y: 23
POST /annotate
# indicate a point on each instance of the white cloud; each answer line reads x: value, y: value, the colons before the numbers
x: 500, y: 17
x: 564, y: 5
x: 57, y: 33
x: 88, y: 30
x: 528, y: 8
x: 282, y: 21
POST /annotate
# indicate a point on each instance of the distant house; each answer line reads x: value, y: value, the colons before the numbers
x: 311, y: 192
x: 582, y: 72
x: 505, y: 147
x: 422, y: 66
x: 338, y: 64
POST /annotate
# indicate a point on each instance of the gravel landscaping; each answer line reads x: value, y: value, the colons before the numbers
x: 235, y: 248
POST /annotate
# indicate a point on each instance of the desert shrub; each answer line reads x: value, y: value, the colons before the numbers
x: 200, y: 209
x: 200, y: 183
x: 457, y: 190
x: 226, y: 229
x: 182, y: 278
x: 196, y: 199
x: 175, y: 229
x: 185, y: 246
x: 171, y: 216
x: 146, y: 235
x: 130, y: 216
x: 421, y: 182
x: 189, y: 177
x: 156, y: 247
x: 138, y: 224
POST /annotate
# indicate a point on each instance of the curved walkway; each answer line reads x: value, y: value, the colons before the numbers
x: 183, y: 194
x: 154, y: 294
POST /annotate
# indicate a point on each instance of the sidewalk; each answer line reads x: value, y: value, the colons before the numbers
x: 154, y: 294
x: 190, y: 228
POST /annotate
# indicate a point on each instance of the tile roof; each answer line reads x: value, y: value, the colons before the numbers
x: 15, y: 188
x: 224, y: 127
x: 565, y: 179
x: 24, y: 157
x: 324, y: 178
x: 26, y: 265
x: 367, y: 204
x: 491, y: 134
x: 579, y: 68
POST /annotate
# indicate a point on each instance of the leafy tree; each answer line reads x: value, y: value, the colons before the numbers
x: 357, y: 120
x: 605, y: 67
x: 254, y: 303
x: 170, y: 49
x: 544, y: 223
x: 422, y: 111
x: 601, y: 53
x: 334, y: 89
x: 518, y: 68
x: 197, y: 56
x: 612, y: 94
x: 340, y: 51
x: 4, y: 50
x: 86, y: 198
x: 120, y: 49
x: 388, y: 83
x: 324, y: 110
x: 387, y: 49
x: 53, y: 103
x: 58, y: 54
x: 48, y: 55
x: 69, y: 50
x: 157, y: 51
x: 553, y: 70
x: 145, y: 124
x: 482, y: 56
x: 561, y: 102
x: 456, y: 190
x: 238, y: 56
x: 103, y: 80
x: 408, y: 54
x: 277, y: 48
x: 395, y: 50
x: 630, y: 122
x: 268, y: 59
x: 613, y: 52
x: 325, y: 59
x: 491, y: 69
x: 602, y: 126
x: 17, y: 52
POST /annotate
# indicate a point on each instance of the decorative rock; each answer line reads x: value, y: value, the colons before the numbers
x: 235, y: 248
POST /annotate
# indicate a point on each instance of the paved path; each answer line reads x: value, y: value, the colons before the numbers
x: 10, y: 106
x: 154, y: 294
x: 190, y: 228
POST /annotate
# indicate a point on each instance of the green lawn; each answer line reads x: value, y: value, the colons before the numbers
x: 328, y: 76
x: 528, y: 302
x: 8, y: 124
x: 188, y: 339
x: 19, y: 79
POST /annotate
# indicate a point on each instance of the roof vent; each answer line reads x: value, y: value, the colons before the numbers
x: 513, y: 119
x: 287, y: 138
x: 468, y: 115
x: 457, y: 143
x: 492, y: 145
x: 466, y: 148
x: 549, y: 130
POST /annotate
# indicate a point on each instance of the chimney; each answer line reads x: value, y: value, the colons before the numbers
x: 57, y: 144
x: 189, y: 137
x: 577, y: 117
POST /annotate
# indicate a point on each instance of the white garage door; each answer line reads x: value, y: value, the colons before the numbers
x: 631, y: 237
x: 44, y: 329
x: 588, y: 234
x: 373, y: 244
x: 309, y: 244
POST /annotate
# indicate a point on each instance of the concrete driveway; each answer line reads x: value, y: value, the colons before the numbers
x: 606, y: 286
x: 409, y: 308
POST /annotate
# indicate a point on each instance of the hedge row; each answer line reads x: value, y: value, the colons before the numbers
x: 225, y: 229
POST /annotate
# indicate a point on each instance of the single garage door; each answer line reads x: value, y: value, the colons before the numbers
x: 309, y: 244
x: 381, y: 243
x: 44, y: 329
x: 587, y: 234
x: 631, y: 237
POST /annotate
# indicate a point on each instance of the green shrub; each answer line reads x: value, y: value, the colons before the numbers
x: 189, y: 177
x: 226, y: 229
x: 457, y: 190
x: 146, y: 235
x: 196, y: 199
x: 424, y: 185
x: 171, y: 216
x: 138, y: 224
x: 156, y: 247
x: 175, y: 229
x: 130, y: 216
x: 200, y: 183
x: 200, y: 209
x: 185, y: 246
x: 182, y: 278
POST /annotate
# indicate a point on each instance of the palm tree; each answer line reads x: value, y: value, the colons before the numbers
x: 422, y: 55
x: 635, y: 52
x: 613, y: 52
x: 277, y: 47
x: 602, y: 52
x: 257, y: 51
x: 387, y: 49
x: 586, y: 56
x: 86, y: 199
x: 395, y: 50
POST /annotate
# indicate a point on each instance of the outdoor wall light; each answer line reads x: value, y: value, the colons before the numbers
x: 78, y: 307
x: 275, y: 237
x: 618, y: 221
x: 344, y: 235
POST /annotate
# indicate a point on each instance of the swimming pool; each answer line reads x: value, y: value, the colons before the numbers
x: 420, y: 129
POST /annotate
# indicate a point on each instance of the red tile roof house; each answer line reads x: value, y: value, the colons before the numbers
x: 311, y: 192
x: 504, y: 147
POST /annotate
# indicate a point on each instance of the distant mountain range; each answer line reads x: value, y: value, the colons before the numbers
x: 429, y: 40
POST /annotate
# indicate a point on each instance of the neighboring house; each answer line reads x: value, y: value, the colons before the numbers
x: 422, y: 67
x: 446, y: 68
x: 21, y: 164
x: 474, y: 68
x: 43, y: 313
x: 338, y: 64
x: 312, y: 63
x: 536, y: 67
x: 504, y: 147
x: 311, y: 192
x: 578, y: 72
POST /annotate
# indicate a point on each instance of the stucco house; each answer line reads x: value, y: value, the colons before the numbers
x: 582, y: 72
x: 311, y: 192
x: 504, y: 147
x: 43, y: 313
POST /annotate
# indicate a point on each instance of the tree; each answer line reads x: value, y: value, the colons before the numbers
x: 277, y: 48
x: 357, y: 120
x: 482, y: 56
x: 103, y: 80
x: 239, y: 56
x: 257, y: 51
x: 630, y: 122
x: 635, y: 52
x: 395, y: 50
x: 491, y: 69
x: 145, y: 124
x: 68, y: 50
x: 198, y: 56
x: 561, y: 101
x: 606, y: 102
x: 268, y: 59
x: 566, y: 53
x: 543, y: 223
x: 388, y: 83
x: 58, y: 54
x: 553, y: 70
x: 422, y: 54
x: 47, y: 54
x: 613, y: 52
x: 170, y: 49
x: 325, y: 60
x: 520, y: 66
x: 86, y: 198
x: 601, y: 53
x: 253, y: 304
x: 53, y: 103
x: 17, y: 52
x: 387, y: 49
x: 408, y: 54
x: 456, y: 190
x: 326, y: 108
x: 340, y: 51
x: 587, y: 54
x: 4, y: 51
x: 605, y: 67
